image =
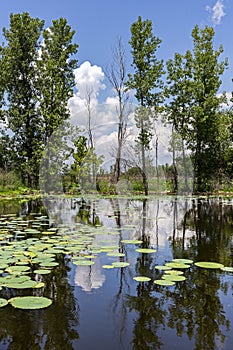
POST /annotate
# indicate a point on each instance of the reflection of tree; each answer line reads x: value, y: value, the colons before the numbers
x: 145, y: 304
x: 51, y: 328
x: 196, y: 308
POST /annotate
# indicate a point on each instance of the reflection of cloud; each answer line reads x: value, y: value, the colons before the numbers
x: 89, y: 277
x: 217, y: 12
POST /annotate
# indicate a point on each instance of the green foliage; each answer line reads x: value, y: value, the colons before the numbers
x: 194, y: 108
x: 36, y: 84
x: 147, y: 83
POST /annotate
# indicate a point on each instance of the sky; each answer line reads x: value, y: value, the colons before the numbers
x: 98, y: 24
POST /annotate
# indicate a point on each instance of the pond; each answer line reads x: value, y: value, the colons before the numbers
x: 85, y: 255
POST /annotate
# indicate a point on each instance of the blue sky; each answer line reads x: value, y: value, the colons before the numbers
x: 99, y: 23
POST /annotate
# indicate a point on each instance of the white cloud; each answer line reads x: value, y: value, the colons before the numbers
x: 217, y: 12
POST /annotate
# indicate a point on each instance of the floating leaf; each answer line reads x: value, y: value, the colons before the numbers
x: 30, y: 302
x: 174, y: 278
x: 21, y: 285
x: 227, y: 269
x: 115, y: 254
x: 142, y: 279
x: 162, y: 267
x: 83, y: 262
x: 3, y: 302
x: 108, y: 267
x: 120, y: 264
x: 145, y: 250
x: 39, y: 285
x: 177, y: 265
x: 42, y: 271
x: 183, y: 261
x: 164, y: 282
x: 209, y: 265
x: 174, y: 272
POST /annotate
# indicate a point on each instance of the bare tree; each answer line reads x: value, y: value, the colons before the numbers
x: 116, y: 75
x: 88, y: 98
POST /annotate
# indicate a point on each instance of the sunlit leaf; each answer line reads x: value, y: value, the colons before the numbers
x: 142, y: 279
x: 209, y: 265
x: 3, y: 302
x: 30, y: 302
x: 164, y: 282
x: 145, y: 250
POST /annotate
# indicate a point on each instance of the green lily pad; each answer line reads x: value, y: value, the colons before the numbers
x: 177, y: 265
x: 120, y: 264
x: 174, y: 278
x: 39, y: 285
x: 3, y: 302
x: 227, y: 269
x: 17, y: 269
x: 30, y: 302
x: 83, y: 262
x: 115, y: 254
x: 164, y: 282
x: 162, y: 267
x: 108, y: 267
x: 209, y: 265
x: 183, y: 261
x: 142, y: 279
x: 145, y: 250
x: 42, y: 271
x: 174, y: 272
x: 21, y: 285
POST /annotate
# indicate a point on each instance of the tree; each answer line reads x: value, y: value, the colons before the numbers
x: 204, y: 141
x: 56, y: 80
x: 195, y: 106
x: 178, y: 90
x: 37, y: 83
x: 146, y: 81
x: 19, y: 61
x: 116, y: 75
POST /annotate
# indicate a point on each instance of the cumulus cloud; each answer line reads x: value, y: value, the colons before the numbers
x: 217, y: 12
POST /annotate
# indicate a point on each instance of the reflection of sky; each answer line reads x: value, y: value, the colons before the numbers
x: 161, y: 224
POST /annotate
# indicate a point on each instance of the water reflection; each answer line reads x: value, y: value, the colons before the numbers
x: 110, y: 305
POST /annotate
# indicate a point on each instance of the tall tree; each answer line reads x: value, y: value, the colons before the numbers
x: 195, y: 104
x: 56, y: 80
x: 116, y: 74
x: 178, y: 90
x: 19, y: 60
x: 146, y: 81
x: 38, y: 80
x: 205, y: 110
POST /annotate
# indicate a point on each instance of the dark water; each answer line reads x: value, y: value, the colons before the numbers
x: 99, y: 309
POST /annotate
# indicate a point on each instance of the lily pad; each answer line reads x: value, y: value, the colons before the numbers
x: 21, y: 285
x: 108, y: 267
x: 227, y: 269
x: 174, y: 272
x: 142, y: 279
x: 183, y: 261
x: 174, y: 278
x: 145, y: 250
x: 177, y: 265
x: 209, y: 265
x: 3, y: 302
x: 30, y: 302
x: 162, y: 267
x: 83, y: 262
x: 120, y: 264
x: 164, y: 282
x: 115, y: 254
x: 42, y: 271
